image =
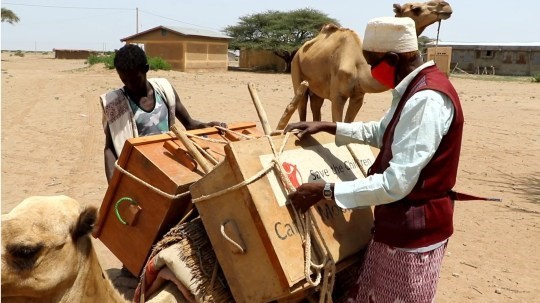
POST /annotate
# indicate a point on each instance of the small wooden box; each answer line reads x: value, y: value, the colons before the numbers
x: 257, y: 218
x: 134, y: 216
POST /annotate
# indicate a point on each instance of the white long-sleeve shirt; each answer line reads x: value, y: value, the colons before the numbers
x: 424, y: 120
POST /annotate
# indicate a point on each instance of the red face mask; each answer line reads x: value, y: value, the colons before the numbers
x: 384, y: 73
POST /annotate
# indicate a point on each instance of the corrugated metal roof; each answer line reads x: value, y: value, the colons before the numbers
x: 197, y: 32
x: 186, y: 31
x: 504, y: 44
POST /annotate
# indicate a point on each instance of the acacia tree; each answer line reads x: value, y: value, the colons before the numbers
x: 280, y: 32
x: 9, y: 16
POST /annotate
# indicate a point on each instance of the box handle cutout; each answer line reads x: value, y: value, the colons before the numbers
x: 133, y: 211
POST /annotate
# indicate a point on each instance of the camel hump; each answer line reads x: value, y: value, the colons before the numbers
x: 329, y: 28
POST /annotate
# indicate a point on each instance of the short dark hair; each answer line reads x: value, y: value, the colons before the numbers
x: 130, y: 57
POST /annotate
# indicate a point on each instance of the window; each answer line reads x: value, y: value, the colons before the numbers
x: 521, y: 58
x: 487, y: 54
x: 508, y: 57
x: 163, y: 32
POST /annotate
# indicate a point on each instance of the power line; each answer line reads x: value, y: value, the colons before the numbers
x: 149, y: 13
x: 107, y: 8
x: 69, y: 7
x: 101, y: 15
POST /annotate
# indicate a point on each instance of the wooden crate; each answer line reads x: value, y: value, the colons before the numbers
x: 257, y: 217
x: 133, y: 216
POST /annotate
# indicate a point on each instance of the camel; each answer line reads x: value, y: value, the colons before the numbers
x: 335, y: 68
x: 48, y: 256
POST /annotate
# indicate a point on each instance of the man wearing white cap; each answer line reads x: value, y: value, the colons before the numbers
x: 411, y: 180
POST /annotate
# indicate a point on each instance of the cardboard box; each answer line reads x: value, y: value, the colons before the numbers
x: 134, y: 216
x: 253, y: 230
x: 442, y: 58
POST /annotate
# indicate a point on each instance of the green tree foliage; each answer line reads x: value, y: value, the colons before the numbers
x: 9, y: 16
x: 280, y: 32
x: 107, y: 59
x: 157, y: 63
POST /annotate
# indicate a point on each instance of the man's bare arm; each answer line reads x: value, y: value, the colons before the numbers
x: 186, y: 120
x: 109, y: 154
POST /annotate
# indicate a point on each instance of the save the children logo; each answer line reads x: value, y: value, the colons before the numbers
x: 293, y: 174
x: 317, y: 163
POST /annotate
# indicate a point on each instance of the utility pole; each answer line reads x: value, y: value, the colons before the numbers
x: 137, y: 20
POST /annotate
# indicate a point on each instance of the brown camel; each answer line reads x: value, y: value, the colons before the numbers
x: 335, y: 68
x: 47, y: 255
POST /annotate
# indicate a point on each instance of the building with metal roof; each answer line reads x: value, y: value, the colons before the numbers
x: 516, y: 59
x: 186, y: 49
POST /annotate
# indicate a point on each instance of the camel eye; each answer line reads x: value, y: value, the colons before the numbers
x: 23, y: 256
x: 25, y: 252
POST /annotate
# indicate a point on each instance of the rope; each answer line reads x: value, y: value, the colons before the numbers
x: 254, y: 178
x: 438, y: 32
x: 224, y: 234
x: 437, y: 40
x: 206, y: 154
x: 329, y: 268
x: 234, y: 132
x: 304, y: 224
x: 153, y: 188
x: 207, y: 139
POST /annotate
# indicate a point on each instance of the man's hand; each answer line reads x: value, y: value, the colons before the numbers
x: 307, y: 195
x: 216, y: 123
x: 310, y: 128
x: 198, y: 124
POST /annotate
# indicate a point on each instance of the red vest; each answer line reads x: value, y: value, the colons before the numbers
x: 425, y: 215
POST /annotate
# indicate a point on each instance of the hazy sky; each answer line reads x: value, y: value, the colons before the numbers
x: 100, y: 24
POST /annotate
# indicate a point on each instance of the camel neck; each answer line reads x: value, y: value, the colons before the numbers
x: 92, y: 284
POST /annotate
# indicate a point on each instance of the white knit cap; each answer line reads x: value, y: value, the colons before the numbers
x: 390, y: 34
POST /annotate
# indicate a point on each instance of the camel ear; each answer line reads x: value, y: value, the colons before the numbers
x: 85, y: 223
x: 397, y: 9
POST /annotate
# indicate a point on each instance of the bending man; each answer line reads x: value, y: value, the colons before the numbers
x: 411, y: 179
x: 143, y: 107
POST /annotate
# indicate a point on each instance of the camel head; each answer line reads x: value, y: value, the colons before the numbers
x: 43, y: 241
x: 424, y: 14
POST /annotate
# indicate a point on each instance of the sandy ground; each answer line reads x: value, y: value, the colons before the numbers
x: 52, y: 143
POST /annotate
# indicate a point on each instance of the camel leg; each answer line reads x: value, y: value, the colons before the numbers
x: 302, y: 107
x: 355, y: 103
x: 316, y: 103
x: 338, y: 103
